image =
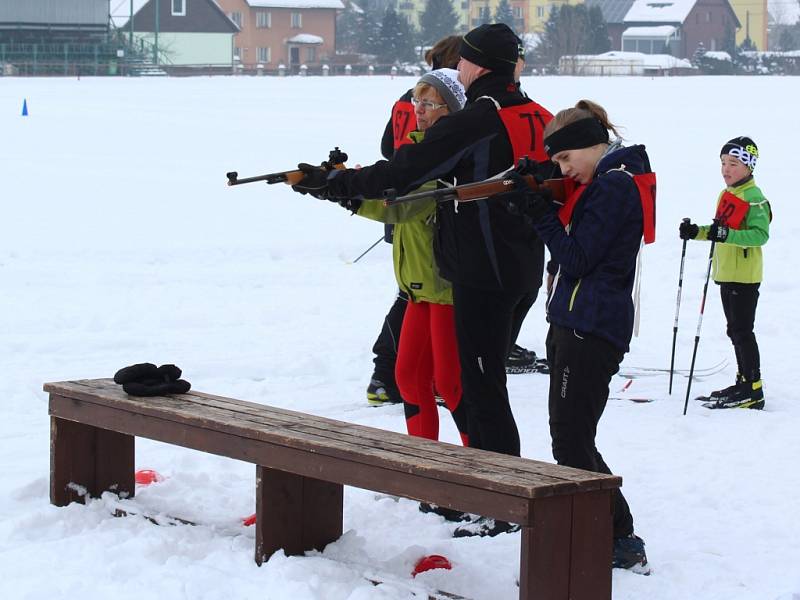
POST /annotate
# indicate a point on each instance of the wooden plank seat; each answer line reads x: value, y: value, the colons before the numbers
x: 303, y: 461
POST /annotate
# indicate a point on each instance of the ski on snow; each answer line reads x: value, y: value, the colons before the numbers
x: 128, y: 508
x: 633, y: 372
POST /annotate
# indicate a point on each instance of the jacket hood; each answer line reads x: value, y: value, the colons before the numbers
x: 633, y: 158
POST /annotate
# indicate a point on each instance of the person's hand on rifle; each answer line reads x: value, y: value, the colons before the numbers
x: 314, y: 182
x: 526, y: 201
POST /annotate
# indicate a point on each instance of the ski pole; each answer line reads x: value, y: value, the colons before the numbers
x: 699, y: 325
x: 380, y: 239
x: 677, y: 311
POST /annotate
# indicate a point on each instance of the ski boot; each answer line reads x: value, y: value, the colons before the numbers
x: 379, y: 393
x: 629, y: 554
x: 745, y: 394
x: 520, y: 360
x: 723, y: 393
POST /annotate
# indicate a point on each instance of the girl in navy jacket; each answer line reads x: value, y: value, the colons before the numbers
x: 594, y: 239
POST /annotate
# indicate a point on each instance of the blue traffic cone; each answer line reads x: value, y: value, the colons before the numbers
x: 24, y: 107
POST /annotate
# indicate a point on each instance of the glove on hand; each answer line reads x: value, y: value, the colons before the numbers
x: 525, y: 201
x: 718, y: 232
x: 688, y: 231
x: 315, y: 181
x: 145, y: 379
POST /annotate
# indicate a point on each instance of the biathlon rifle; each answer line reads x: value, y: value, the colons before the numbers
x: 479, y: 190
x: 336, y: 160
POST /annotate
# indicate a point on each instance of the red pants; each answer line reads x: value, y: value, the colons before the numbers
x: 428, y: 357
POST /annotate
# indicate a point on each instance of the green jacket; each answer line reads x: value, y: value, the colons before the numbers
x: 412, y: 246
x: 739, y: 259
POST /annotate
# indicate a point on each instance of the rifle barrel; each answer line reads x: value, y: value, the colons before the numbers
x: 290, y: 177
x: 440, y: 195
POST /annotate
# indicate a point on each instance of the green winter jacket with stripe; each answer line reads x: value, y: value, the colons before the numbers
x: 412, y: 248
x: 739, y: 258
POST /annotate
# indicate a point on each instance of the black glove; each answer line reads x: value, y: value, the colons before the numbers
x: 688, y: 230
x: 527, y: 202
x: 315, y: 181
x: 145, y: 379
x: 351, y: 204
x: 717, y: 232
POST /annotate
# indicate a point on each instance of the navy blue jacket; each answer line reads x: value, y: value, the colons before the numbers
x: 597, y: 258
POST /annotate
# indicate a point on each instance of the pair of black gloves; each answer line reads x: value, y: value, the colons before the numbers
x: 145, y: 379
x: 717, y: 232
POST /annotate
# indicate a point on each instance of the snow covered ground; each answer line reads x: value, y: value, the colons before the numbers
x: 120, y: 243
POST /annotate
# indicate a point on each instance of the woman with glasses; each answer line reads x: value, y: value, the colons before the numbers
x: 382, y: 388
x: 428, y: 352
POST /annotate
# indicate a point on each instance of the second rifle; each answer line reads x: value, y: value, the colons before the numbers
x: 469, y: 192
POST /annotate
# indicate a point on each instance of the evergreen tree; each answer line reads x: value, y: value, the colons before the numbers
x: 358, y: 28
x: 599, y: 41
x: 570, y: 30
x: 349, y: 28
x: 786, y: 41
x: 370, y: 27
x: 438, y: 20
x: 396, y: 39
x: 504, y: 14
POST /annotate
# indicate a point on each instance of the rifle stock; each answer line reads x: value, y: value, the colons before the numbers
x: 336, y: 160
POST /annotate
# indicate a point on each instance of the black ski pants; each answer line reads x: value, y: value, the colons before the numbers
x: 739, y: 301
x: 581, y: 367
x: 385, y: 347
x: 483, y: 330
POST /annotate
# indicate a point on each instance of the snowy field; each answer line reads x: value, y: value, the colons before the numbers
x: 120, y: 243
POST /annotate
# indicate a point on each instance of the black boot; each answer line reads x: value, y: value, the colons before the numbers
x: 629, y: 554
x: 745, y: 394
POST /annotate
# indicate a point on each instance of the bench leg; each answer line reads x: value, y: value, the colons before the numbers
x: 295, y: 513
x: 566, y: 554
x: 87, y: 459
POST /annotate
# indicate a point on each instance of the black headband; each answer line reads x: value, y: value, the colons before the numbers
x: 579, y: 134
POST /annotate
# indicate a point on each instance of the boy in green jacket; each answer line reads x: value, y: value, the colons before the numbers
x: 740, y: 229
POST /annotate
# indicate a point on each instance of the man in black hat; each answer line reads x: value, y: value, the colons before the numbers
x: 492, y: 257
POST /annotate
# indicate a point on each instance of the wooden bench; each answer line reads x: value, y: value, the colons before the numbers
x: 303, y: 461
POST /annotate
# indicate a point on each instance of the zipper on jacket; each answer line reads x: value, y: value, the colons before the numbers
x: 574, y: 293
x: 552, y: 292
x: 745, y: 252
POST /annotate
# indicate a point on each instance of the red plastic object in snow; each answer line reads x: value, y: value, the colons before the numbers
x: 147, y: 476
x: 251, y: 520
x: 433, y: 561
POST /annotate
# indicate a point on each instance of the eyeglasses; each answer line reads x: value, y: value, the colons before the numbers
x: 427, y: 104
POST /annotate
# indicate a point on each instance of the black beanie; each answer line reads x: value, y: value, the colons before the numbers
x: 743, y: 148
x: 491, y: 46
